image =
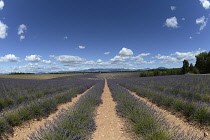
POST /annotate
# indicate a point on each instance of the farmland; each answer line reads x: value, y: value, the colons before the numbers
x: 106, y: 106
x: 37, y: 76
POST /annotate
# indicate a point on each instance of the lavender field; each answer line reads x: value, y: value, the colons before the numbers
x: 187, y: 95
x: 22, y: 100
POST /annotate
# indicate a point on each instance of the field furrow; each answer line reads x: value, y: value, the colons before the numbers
x: 109, y: 125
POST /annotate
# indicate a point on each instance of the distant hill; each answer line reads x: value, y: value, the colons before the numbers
x: 112, y: 70
x: 162, y: 68
x: 100, y: 70
x: 104, y: 70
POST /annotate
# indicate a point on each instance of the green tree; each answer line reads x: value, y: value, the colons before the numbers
x: 203, y: 62
x: 185, y: 67
x: 195, y: 70
x: 156, y: 72
x: 191, y: 68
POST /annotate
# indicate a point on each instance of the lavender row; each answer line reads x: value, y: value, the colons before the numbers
x: 16, y: 91
x: 76, y: 123
x: 144, y: 121
x: 192, y: 109
x: 191, y: 87
x: 38, y: 107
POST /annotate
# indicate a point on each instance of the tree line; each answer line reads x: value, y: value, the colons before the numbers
x: 202, y: 64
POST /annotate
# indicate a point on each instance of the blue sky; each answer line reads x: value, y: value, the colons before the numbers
x: 64, y: 35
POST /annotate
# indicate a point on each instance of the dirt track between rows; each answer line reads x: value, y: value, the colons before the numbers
x: 109, y: 125
x: 21, y: 132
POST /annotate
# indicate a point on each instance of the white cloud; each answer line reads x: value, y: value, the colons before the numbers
x: 3, y: 30
x: 68, y: 60
x: 118, y: 59
x: 36, y: 59
x: 9, y: 58
x: 1, y: 4
x: 173, y: 8
x: 90, y: 63
x: 22, y: 29
x: 99, y: 61
x: 46, y: 61
x: 106, y: 53
x: 205, y: 3
x: 82, y: 47
x: 190, y: 37
x: 203, y: 21
x: 167, y: 59
x: 140, y: 56
x: 127, y: 55
x: 65, y: 37
x: 124, y: 58
x: 179, y: 56
x: 144, y: 54
x: 190, y: 56
x: 35, y: 68
x: 171, y: 22
x: 33, y: 58
x: 126, y: 52
x: 139, y: 59
x: 183, y: 19
x: 22, y: 37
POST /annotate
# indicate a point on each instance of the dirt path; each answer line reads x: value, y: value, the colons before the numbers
x: 174, y: 121
x: 21, y: 132
x: 109, y: 125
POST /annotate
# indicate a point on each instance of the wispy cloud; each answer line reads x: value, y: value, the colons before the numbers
x: 178, y: 56
x: 3, y: 30
x: 21, y: 30
x: 35, y: 68
x: 202, y: 21
x: 81, y: 47
x: 69, y: 60
x: 106, y: 53
x: 65, y: 37
x: 173, y: 8
x: 22, y: 37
